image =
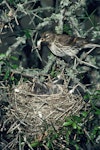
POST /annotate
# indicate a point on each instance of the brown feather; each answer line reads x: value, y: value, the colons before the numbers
x: 61, y: 45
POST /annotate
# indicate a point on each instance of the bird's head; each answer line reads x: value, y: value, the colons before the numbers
x: 46, y: 39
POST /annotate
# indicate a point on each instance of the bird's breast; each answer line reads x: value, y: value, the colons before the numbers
x: 56, y: 50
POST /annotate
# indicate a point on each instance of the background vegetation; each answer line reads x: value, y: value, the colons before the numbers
x: 21, y: 25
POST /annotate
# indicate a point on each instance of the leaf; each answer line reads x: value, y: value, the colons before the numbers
x: 14, y: 66
x: 14, y: 58
x: 68, y: 123
x: 2, y: 56
x: 49, y: 144
x: 87, y: 97
x: 27, y: 33
x: 7, y: 75
x: 12, y: 78
x: 74, y: 125
x: 97, y: 112
x: 84, y: 114
x: 35, y: 144
x: 76, y: 119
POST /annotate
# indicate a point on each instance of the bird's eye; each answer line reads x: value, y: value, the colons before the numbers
x: 47, y: 35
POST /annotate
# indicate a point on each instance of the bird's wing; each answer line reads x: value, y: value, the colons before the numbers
x: 71, y: 41
x: 66, y: 50
x: 64, y: 40
x: 77, y: 42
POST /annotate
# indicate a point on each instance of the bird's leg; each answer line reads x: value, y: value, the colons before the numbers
x: 85, y: 63
x: 86, y: 54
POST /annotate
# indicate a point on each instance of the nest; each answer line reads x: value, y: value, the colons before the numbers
x: 38, y: 105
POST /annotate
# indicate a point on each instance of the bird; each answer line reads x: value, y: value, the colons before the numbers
x: 64, y: 45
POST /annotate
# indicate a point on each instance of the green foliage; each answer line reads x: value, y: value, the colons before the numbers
x: 35, y: 144
x: 86, y: 124
x: 54, y: 72
x: 6, y: 66
x: 52, y: 136
x: 11, y: 1
x: 67, y: 29
x: 27, y: 33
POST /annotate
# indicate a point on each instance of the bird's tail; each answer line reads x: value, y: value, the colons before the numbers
x: 90, y: 45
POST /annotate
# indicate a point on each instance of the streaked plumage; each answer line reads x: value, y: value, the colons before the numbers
x: 62, y: 45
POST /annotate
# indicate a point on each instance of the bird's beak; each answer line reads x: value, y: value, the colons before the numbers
x: 39, y: 44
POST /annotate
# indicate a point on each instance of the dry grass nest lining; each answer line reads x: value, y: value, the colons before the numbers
x: 32, y: 104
